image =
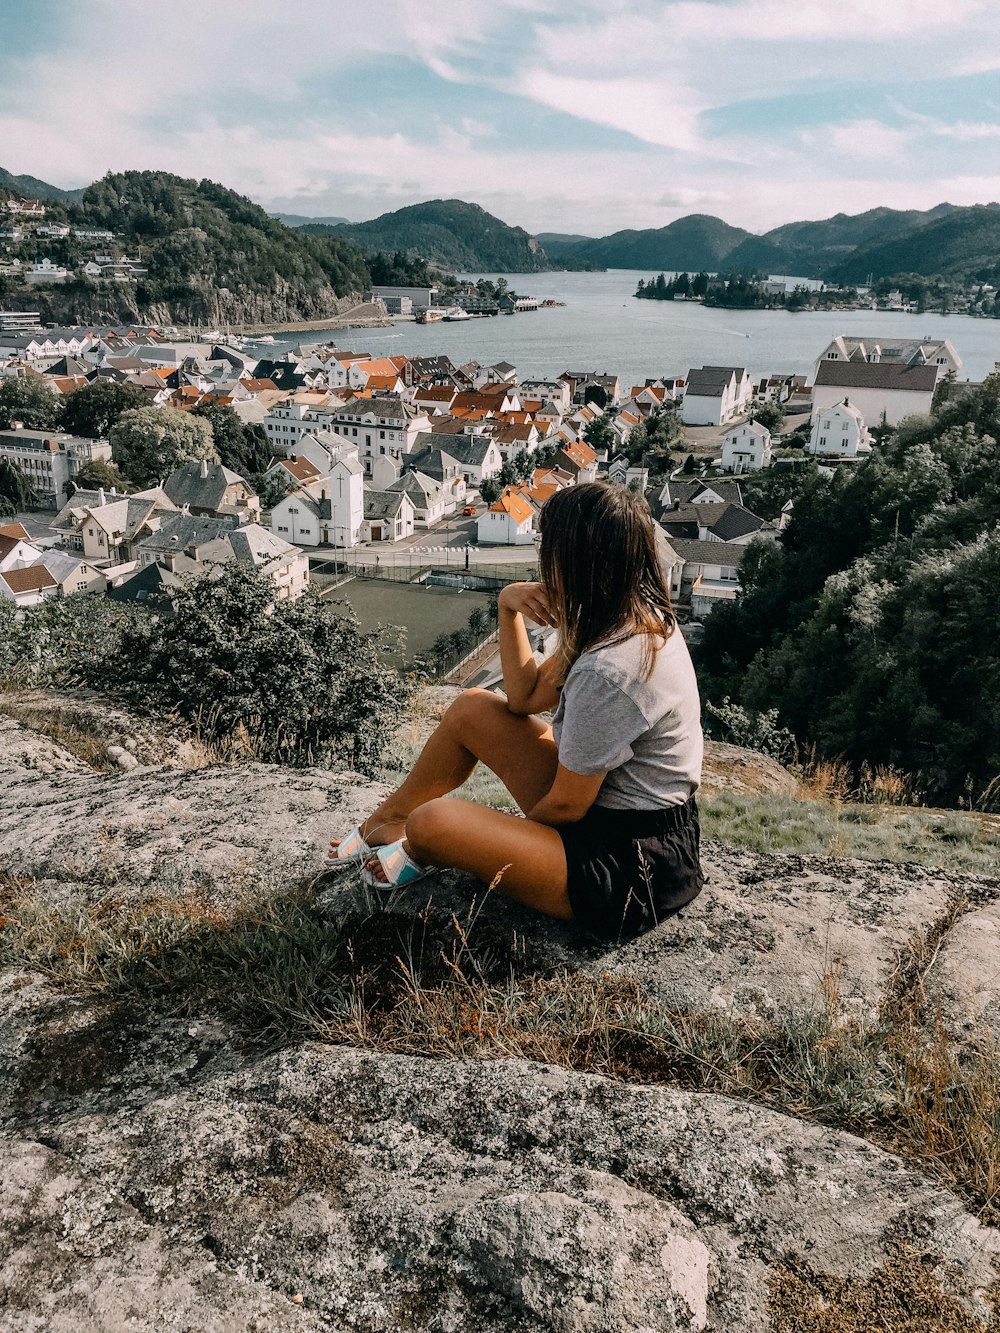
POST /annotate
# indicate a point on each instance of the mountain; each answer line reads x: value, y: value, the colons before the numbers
x: 963, y: 244
x: 211, y: 255
x: 698, y: 241
x: 810, y: 249
x: 300, y: 220
x: 448, y: 232
x: 30, y: 187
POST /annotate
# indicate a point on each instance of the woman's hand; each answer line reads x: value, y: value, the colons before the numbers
x: 529, y: 599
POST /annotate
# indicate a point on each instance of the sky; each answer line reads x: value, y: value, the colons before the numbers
x: 585, y: 117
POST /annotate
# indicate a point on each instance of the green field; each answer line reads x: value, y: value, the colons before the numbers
x: 423, y: 613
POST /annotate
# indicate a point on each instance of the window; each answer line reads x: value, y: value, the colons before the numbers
x: 822, y: 440
x: 846, y: 425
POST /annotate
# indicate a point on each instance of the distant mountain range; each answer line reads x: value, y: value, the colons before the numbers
x: 947, y: 241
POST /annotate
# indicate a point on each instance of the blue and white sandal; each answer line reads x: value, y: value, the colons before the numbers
x: 400, y: 868
x: 349, y: 851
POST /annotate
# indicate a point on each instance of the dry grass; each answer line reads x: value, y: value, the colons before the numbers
x: 74, y: 731
x: 836, y: 780
x: 951, y: 839
x: 429, y: 984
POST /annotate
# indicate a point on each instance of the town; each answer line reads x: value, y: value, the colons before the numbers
x: 410, y: 468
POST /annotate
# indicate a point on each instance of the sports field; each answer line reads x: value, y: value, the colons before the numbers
x: 422, y: 612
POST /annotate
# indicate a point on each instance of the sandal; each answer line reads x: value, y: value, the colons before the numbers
x: 349, y: 851
x: 400, y: 868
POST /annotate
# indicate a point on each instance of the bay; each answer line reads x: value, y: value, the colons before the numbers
x: 603, y: 327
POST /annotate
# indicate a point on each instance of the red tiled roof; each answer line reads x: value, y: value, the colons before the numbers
x: 32, y: 579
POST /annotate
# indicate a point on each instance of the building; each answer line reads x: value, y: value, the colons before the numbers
x: 389, y: 516
x: 50, y: 459
x: 711, y: 573
x: 509, y: 521
x: 72, y: 574
x: 328, y: 511
x: 43, y: 271
x: 16, y: 547
x: 840, y: 432
x: 211, y: 490
x: 746, y: 448
x: 714, y: 395
x: 881, y: 391
x: 420, y: 298
x: 431, y: 502
x: 375, y: 426
x: 878, y: 350
x: 28, y: 585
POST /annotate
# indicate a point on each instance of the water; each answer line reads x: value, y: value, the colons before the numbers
x: 602, y: 327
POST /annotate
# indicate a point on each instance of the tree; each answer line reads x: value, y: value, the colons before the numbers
x: 489, y: 490
x: 148, y: 443
x: 522, y: 465
x: 244, y: 448
x: 768, y: 415
x: 97, y: 473
x: 94, y: 409
x: 599, y: 434
x: 689, y: 465
x: 596, y: 394
x: 30, y: 399
x: 506, y: 476
x: 300, y: 681
x: 16, y: 491
x: 479, y: 623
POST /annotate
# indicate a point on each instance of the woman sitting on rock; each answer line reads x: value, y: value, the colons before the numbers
x: 610, y: 838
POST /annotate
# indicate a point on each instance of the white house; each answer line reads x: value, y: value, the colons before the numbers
x: 714, y: 395
x: 711, y: 573
x: 746, y: 448
x: 44, y: 271
x: 28, y: 585
x: 886, y: 350
x: 381, y: 425
x: 430, y: 501
x: 881, y: 391
x: 840, y: 431
x: 16, y: 547
x: 509, y: 521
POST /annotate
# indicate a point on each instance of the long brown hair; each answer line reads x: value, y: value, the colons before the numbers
x: 599, y: 563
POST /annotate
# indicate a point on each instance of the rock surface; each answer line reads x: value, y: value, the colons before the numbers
x: 158, y: 1174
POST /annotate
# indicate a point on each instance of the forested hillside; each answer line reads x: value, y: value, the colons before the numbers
x: 965, y: 244
x: 449, y: 232
x: 211, y: 255
x: 696, y: 242
x: 871, y: 625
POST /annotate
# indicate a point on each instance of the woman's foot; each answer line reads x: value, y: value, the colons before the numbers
x: 379, y: 829
x: 393, y: 866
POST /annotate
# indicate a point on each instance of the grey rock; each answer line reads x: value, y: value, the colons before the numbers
x: 963, y: 984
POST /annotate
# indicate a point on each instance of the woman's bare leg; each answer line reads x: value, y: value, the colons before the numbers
x: 528, y: 858
x: 477, y: 727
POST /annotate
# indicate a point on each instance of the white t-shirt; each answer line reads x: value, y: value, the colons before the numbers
x: 644, y: 732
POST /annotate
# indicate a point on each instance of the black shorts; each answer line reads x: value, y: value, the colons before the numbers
x: 631, y: 869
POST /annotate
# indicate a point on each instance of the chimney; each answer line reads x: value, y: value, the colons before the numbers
x: 114, y: 490
x: 204, y: 467
x: 101, y: 500
x: 17, y: 425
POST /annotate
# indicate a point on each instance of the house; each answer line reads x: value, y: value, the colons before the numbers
x: 101, y: 526
x: 16, y: 547
x: 746, y: 448
x: 166, y: 534
x: 211, y: 490
x: 578, y: 459
x: 389, y: 516
x: 27, y: 585
x: 509, y: 521
x: 714, y: 395
x: 50, y: 459
x: 886, y: 350
x: 881, y: 391
x: 329, y: 510
x: 478, y: 456
x: 582, y: 382
x: 430, y: 501
x: 711, y: 573
x: 556, y: 392
x: 441, y: 467
x: 154, y: 584
x: 729, y: 523
x: 43, y: 271
x: 840, y: 431
x: 677, y: 492
x: 251, y: 544
x: 72, y: 574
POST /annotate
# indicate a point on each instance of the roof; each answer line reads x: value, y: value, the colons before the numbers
x: 200, y: 484
x: 711, y: 381
x: 61, y: 564
x: 513, y: 503
x: 254, y: 545
x: 31, y: 578
x: 300, y: 468
x: 708, y: 553
x: 15, y: 530
x: 176, y: 532
x: 384, y: 504
x: 876, y: 375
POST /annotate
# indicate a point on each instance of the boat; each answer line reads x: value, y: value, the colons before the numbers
x: 456, y: 314
x: 430, y: 316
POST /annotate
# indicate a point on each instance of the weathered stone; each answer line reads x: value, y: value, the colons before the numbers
x: 963, y: 984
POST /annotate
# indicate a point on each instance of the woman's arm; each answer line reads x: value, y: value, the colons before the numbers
x: 530, y: 688
x: 568, y: 799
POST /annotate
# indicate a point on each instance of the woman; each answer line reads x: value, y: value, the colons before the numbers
x: 610, y: 837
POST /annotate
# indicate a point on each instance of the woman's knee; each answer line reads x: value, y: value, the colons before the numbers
x: 472, y: 706
x: 431, y: 827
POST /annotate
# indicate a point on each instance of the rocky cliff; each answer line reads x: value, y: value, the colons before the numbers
x: 216, y: 1116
